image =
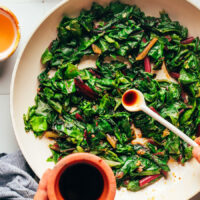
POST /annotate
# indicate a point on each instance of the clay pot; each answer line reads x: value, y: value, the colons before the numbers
x: 109, y: 189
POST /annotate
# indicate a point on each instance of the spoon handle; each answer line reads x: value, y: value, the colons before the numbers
x: 168, y: 125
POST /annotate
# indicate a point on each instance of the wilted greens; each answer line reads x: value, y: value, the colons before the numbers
x: 81, y: 109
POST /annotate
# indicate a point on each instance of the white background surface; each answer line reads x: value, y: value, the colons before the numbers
x: 29, y: 13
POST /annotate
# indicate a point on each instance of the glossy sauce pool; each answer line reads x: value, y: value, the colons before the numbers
x: 81, y: 182
x: 7, y: 32
x: 130, y: 98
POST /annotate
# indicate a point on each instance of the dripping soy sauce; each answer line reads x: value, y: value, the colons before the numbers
x: 81, y: 182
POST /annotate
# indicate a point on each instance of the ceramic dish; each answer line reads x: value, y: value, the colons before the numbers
x: 183, y: 181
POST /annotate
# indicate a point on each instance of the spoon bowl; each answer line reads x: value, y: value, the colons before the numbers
x: 133, y: 100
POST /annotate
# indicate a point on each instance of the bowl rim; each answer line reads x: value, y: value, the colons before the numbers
x: 14, y: 76
x: 51, y: 11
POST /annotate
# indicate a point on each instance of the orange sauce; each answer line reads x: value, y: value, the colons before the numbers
x: 7, y: 33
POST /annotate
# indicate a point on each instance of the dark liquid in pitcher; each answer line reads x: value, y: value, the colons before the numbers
x: 81, y: 182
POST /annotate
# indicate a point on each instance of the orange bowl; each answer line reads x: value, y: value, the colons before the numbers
x: 11, y: 49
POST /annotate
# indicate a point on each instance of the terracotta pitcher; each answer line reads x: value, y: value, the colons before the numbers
x: 109, y: 183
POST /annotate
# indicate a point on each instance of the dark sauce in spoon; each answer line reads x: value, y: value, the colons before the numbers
x: 130, y: 98
x: 81, y: 182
